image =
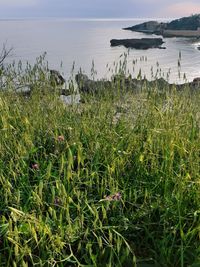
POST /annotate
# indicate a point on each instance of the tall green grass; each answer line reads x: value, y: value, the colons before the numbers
x: 61, y: 166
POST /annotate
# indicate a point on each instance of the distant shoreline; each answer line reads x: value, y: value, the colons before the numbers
x: 182, y: 27
x: 82, y: 19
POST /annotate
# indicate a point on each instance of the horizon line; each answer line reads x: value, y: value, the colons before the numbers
x: 85, y: 18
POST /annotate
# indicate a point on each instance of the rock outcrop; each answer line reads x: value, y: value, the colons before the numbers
x: 188, y: 27
x: 148, y: 27
x: 86, y: 85
x: 56, y: 78
x: 54, y: 83
x: 143, y: 43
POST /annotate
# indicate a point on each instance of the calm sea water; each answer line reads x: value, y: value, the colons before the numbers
x: 87, y: 41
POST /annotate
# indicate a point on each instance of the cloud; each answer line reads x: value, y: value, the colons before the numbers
x: 98, y: 8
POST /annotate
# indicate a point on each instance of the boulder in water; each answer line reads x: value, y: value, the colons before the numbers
x: 143, y: 43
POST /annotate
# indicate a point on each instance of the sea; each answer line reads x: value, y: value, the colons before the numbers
x: 73, y: 45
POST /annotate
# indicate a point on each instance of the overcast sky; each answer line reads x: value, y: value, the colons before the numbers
x: 98, y: 8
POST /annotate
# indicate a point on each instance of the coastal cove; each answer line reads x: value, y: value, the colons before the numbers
x: 88, y: 41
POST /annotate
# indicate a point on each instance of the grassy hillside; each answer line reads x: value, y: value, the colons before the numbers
x: 113, y: 181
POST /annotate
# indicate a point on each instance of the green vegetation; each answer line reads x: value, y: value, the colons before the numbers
x: 113, y: 181
x: 186, y: 23
x: 191, y: 23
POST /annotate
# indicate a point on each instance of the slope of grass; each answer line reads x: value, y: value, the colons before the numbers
x: 113, y: 181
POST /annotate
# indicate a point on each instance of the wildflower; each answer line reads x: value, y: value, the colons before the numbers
x: 109, y: 198
x: 57, y: 201
x: 61, y: 138
x: 115, y: 197
x: 35, y: 166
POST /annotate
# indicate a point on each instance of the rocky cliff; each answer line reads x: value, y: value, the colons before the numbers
x: 191, y: 23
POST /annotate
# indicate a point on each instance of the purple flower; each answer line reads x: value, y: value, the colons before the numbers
x: 117, y: 196
x: 57, y: 201
x: 35, y: 166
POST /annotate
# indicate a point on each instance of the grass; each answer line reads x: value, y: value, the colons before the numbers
x: 61, y: 166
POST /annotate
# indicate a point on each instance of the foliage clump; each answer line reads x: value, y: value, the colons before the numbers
x: 185, y: 23
x: 113, y: 181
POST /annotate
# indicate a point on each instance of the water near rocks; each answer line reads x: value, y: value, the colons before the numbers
x: 88, y: 41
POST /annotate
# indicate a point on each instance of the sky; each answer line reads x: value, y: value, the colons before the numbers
x: 98, y: 8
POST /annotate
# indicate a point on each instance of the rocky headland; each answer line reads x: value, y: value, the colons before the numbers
x: 183, y: 27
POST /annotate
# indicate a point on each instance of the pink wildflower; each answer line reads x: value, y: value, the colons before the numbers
x: 35, y: 166
x: 61, y: 138
x: 115, y: 197
x: 57, y: 201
